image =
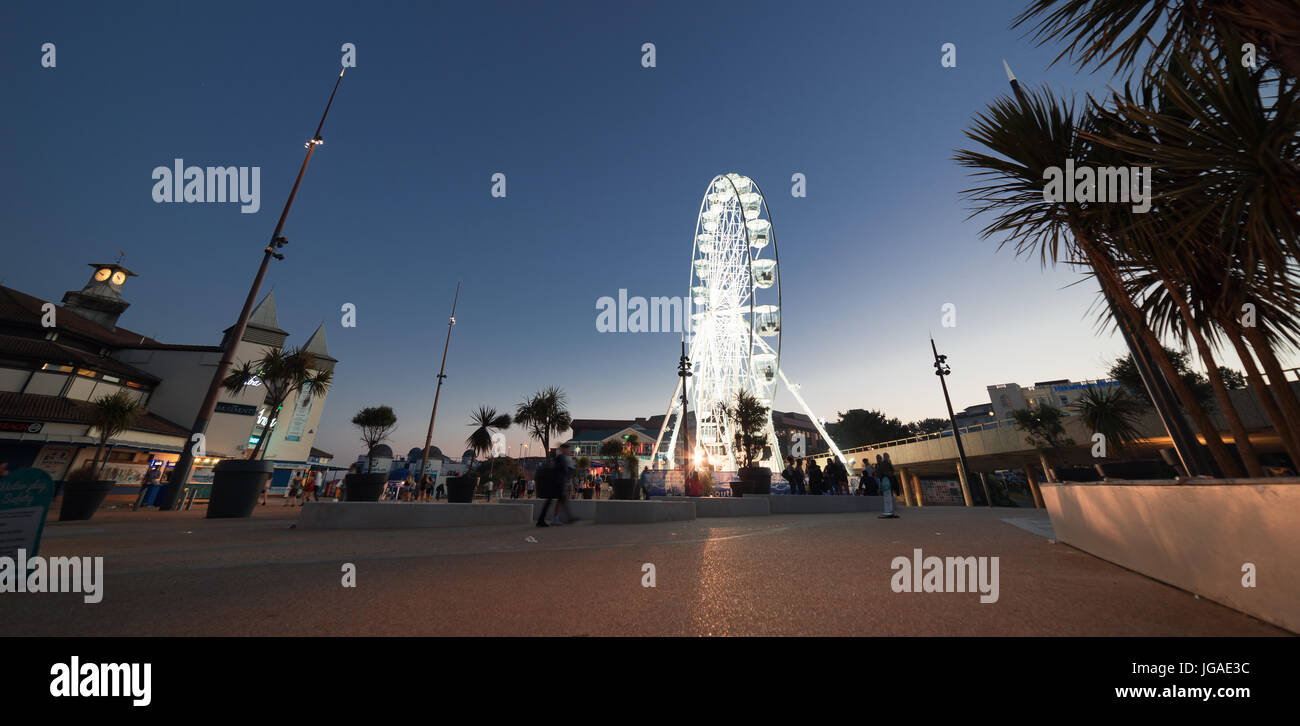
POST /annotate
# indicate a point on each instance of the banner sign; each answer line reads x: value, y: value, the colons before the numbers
x: 25, y: 497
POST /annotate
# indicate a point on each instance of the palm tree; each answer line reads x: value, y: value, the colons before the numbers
x: 543, y: 414
x: 1111, y: 412
x: 1027, y: 138
x: 110, y: 416
x: 486, y: 420
x: 748, y: 418
x: 283, y: 374
x: 1224, y: 141
x: 1101, y: 31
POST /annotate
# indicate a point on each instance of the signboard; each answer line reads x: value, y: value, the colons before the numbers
x: 24, y: 500
x: 238, y: 409
x: 301, y: 412
x: 54, y: 460
x: 22, y: 427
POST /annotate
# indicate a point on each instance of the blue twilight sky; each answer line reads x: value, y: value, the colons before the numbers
x: 605, y: 162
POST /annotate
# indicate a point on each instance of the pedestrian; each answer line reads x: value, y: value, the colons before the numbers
x: 885, y: 473
x: 439, y: 491
x: 794, y: 475
x: 295, y: 490
x: 814, y: 477
x: 554, y: 479
x: 644, y: 485
x: 309, y: 489
x: 868, y: 485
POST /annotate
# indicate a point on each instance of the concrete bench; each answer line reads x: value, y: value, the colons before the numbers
x: 616, y: 511
x: 725, y: 506
x: 813, y: 504
x: 408, y: 515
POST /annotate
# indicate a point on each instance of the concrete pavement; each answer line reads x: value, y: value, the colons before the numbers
x: 176, y: 573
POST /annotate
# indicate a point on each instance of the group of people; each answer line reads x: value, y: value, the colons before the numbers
x: 302, y: 487
x: 834, y: 479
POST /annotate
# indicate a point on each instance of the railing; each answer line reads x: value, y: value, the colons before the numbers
x: 946, y: 433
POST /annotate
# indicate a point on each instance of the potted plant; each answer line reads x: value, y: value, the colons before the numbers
x: 625, y: 487
x: 84, y: 490
x: 749, y: 420
x: 484, y: 421
x: 376, y: 424
x: 237, y: 484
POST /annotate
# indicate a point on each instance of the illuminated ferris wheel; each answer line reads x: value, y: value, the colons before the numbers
x: 734, y: 328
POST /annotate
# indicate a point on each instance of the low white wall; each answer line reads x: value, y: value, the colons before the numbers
x: 1197, y: 537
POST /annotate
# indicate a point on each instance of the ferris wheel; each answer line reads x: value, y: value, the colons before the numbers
x: 733, y: 331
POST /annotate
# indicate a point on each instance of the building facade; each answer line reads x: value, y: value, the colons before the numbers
x: 56, y: 360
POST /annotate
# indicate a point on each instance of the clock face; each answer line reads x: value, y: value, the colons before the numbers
x: 119, y: 277
x: 102, y: 274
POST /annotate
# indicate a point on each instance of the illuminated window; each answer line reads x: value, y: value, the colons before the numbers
x: 112, y: 379
x: 56, y: 367
x: 133, y: 384
x: 86, y: 373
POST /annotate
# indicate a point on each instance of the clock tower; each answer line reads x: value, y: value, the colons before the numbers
x: 101, y: 299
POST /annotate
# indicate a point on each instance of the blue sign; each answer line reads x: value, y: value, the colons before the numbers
x: 25, y: 497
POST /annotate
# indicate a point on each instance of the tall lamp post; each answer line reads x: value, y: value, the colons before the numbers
x: 941, y: 369
x: 442, y: 373
x: 684, y: 372
x: 1184, y: 440
x: 185, y: 462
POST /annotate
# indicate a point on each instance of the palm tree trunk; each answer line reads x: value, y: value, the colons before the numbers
x: 94, y: 462
x: 1277, y: 379
x: 104, y: 463
x: 1239, y: 435
x: 1234, y: 334
x: 1109, y: 279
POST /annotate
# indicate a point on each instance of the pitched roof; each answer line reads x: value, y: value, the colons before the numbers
x: 317, y: 346
x: 264, y: 315
x: 54, y: 409
x: 48, y: 351
x: 18, y: 310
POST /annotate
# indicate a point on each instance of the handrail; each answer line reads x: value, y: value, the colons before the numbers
x: 923, y: 437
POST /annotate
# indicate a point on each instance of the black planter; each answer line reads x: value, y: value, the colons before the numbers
x: 364, y: 487
x: 461, y: 489
x: 82, y: 498
x: 237, y: 485
x: 587, y: 492
x: 626, y: 489
x: 753, y: 480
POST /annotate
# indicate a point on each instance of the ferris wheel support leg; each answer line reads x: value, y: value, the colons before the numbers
x: 815, y: 421
x: 672, y: 405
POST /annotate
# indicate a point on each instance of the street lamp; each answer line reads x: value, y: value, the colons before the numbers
x: 684, y: 372
x: 442, y: 374
x: 185, y: 462
x: 942, y: 369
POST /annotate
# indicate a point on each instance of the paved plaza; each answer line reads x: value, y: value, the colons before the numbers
x: 179, y: 574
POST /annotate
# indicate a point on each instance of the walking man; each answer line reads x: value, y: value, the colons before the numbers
x: 556, y: 486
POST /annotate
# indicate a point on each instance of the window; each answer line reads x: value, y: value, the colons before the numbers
x: 133, y: 384
x: 111, y: 379
x: 86, y: 373
x: 56, y: 367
